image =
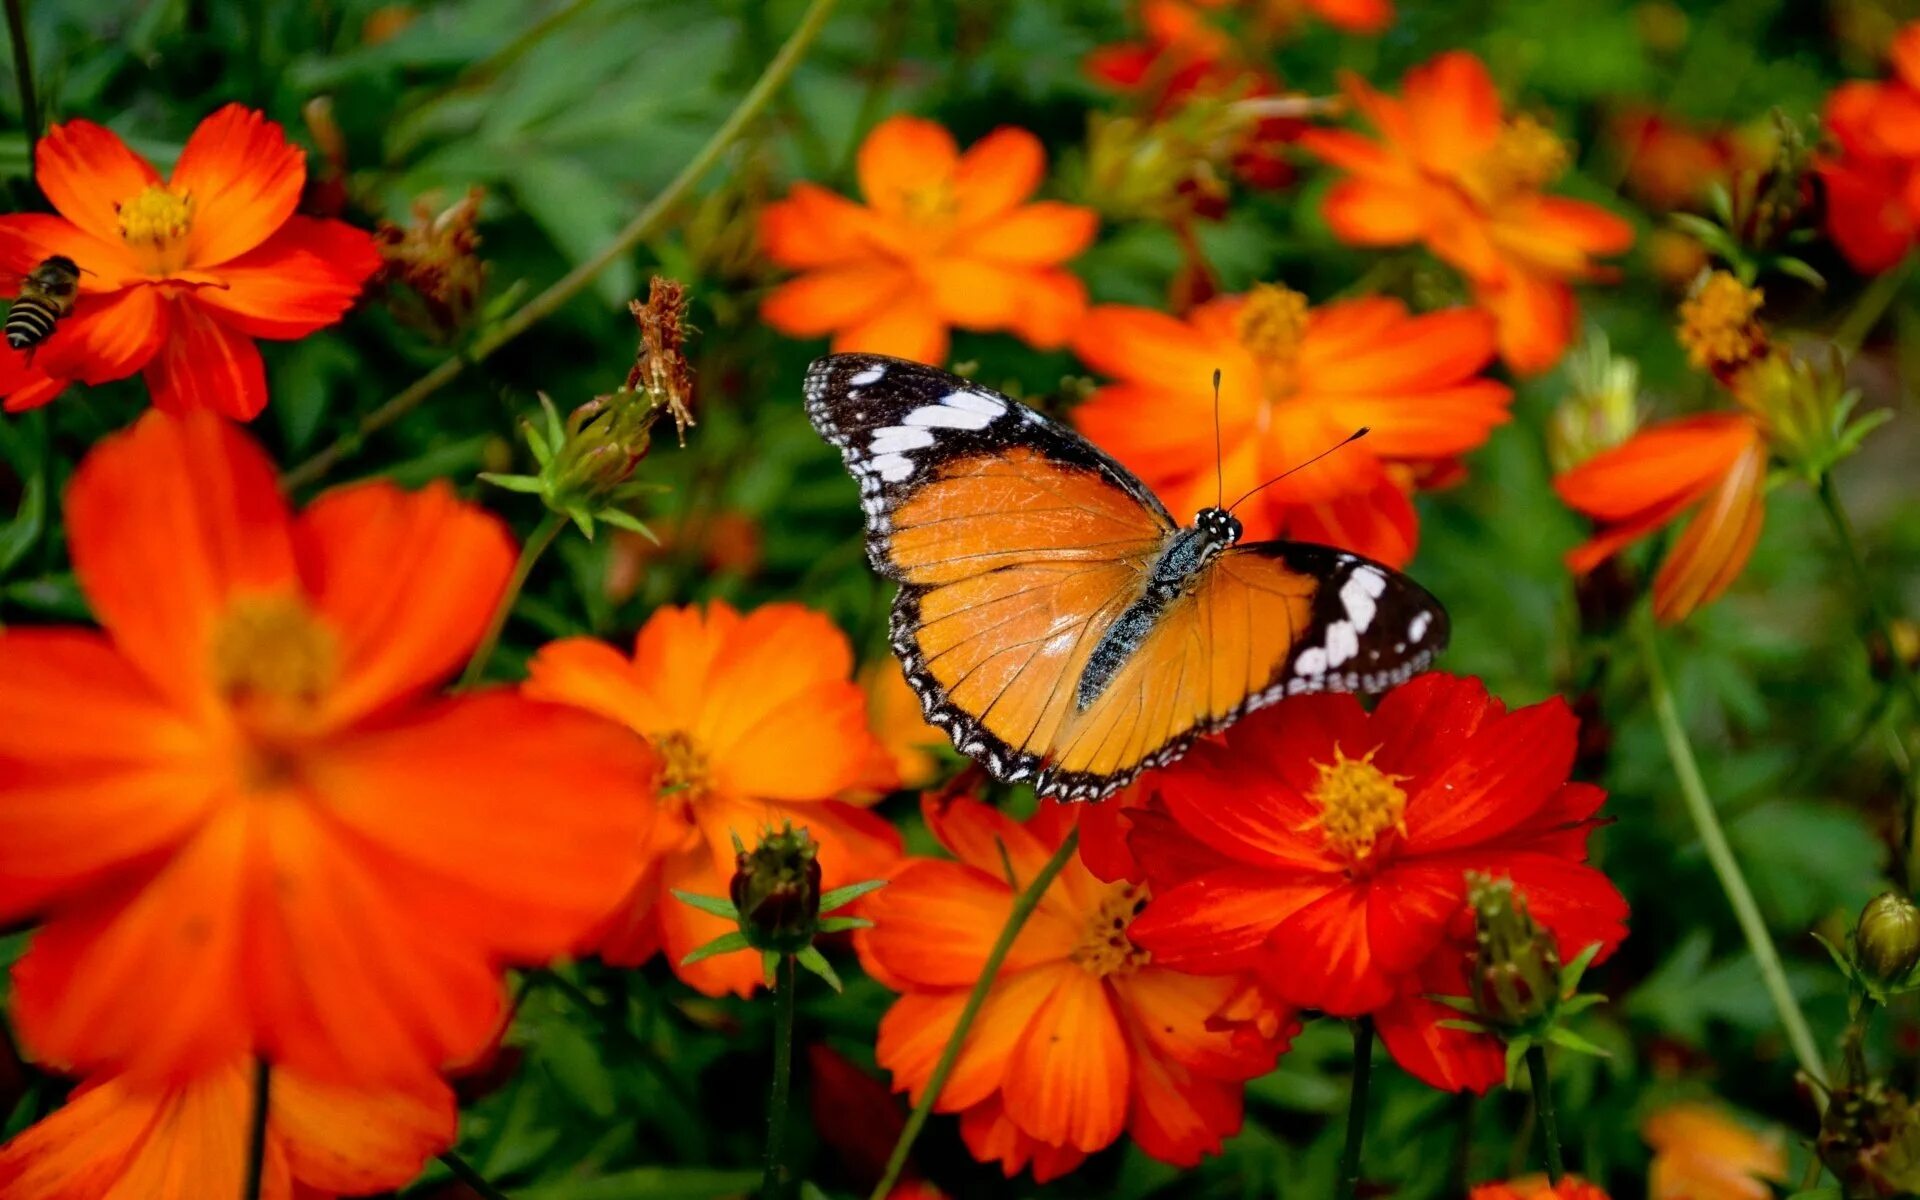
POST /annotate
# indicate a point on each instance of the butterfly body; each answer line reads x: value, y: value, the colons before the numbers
x: 1052, y: 616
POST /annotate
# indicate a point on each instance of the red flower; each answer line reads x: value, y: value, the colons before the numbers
x: 1536, y: 1187
x: 1325, y: 850
x: 243, y: 813
x: 178, y: 277
x: 1873, y: 183
x: 1082, y: 1037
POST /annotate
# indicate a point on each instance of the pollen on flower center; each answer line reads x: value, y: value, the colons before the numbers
x: 273, y: 647
x: 1718, y: 324
x: 1104, y: 948
x: 931, y: 205
x: 683, y: 774
x: 1270, y: 324
x: 1525, y: 157
x: 1358, y: 802
x: 155, y: 216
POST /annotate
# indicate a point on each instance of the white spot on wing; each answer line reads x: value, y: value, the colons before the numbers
x: 1342, y: 642
x: 1357, y: 596
x: 946, y: 416
x: 894, y: 438
x: 869, y: 376
x: 975, y: 402
x: 892, y: 467
x: 1417, y: 629
x: 1311, y: 662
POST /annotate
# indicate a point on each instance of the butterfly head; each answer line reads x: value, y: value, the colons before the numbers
x: 1219, y: 525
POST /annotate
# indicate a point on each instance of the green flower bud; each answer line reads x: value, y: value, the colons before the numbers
x: 1886, y: 942
x: 776, y: 891
x: 1515, y: 976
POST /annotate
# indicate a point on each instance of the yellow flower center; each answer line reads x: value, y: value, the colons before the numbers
x: 930, y: 206
x: 1526, y: 157
x: 155, y: 217
x: 1358, y: 802
x: 272, y: 648
x: 1270, y: 324
x: 683, y: 774
x: 1104, y: 949
x: 1718, y: 322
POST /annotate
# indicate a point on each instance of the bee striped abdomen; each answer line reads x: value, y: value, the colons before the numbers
x: 29, y: 322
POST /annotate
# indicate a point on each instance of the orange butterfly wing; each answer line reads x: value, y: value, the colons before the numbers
x: 1019, y: 545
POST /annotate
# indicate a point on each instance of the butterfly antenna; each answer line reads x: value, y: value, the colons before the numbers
x: 1219, y: 469
x: 1355, y: 436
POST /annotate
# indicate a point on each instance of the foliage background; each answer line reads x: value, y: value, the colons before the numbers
x: 572, y: 115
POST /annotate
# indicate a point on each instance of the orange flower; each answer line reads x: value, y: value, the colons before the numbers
x: 179, y: 276
x: 1872, y: 185
x: 1536, y: 1187
x: 1717, y: 461
x: 117, y: 1139
x: 1670, y: 163
x: 756, y: 722
x: 1082, y: 1036
x: 1451, y: 171
x: 910, y: 743
x: 1701, y: 1153
x: 944, y: 239
x: 243, y: 797
x: 1294, y: 382
x: 1280, y: 16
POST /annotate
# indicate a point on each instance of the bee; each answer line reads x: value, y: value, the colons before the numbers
x: 47, y: 293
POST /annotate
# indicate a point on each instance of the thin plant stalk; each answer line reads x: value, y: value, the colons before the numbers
x: 1706, y: 823
x: 1347, y: 1185
x: 643, y: 226
x: 777, y: 1179
x: 257, y: 1129
x: 23, y: 73
x: 1023, y: 905
x: 536, y: 545
x: 1543, y: 1103
x: 470, y: 1175
x: 1903, y: 674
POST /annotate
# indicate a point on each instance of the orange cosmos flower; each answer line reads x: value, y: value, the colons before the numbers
x: 1451, y: 171
x: 1325, y: 849
x: 1294, y: 382
x: 1873, y: 183
x: 1536, y: 1187
x: 944, y: 239
x: 179, y: 276
x: 1701, y: 1153
x: 1716, y: 463
x: 1083, y: 1036
x: 911, y: 744
x: 117, y: 1139
x: 243, y: 796
x: 1669, y: 162
x: 756, y: 722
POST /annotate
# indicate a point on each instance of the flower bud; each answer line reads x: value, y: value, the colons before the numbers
x: 1720, y: 324
x: 776, y: 890
x: 1601, y: 408
x: 435, y: 257
x: 1805, y: 408
x: 1886, y: 942
x: 1515, y: 974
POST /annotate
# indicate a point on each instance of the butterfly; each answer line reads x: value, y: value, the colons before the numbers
x: 1055, y: 620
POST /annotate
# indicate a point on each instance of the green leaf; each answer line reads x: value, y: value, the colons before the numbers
x: 1571, y: 974
x: 1462, y: 1026
x: 1580, y: 1004
x: 1516, y: 1054
x: 770, y: 965
x: 842, y: 924
x: 726, y: 943
x: 816, y: 962
x: 840, y: 897
x: 525, y: 484
x: 1562, y: 1036
x: 1815, y: 857
x: 620, y: 519
x: 1456, y: 1003
x: 717, y: 905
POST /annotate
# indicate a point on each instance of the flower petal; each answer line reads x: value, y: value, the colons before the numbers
x: 1679, y: 458
x: 23, y: 385
x: 1219, y: 922
x: 1321, y: 956
x: 1718, y: 540
x: 167, y: 521
x: 87, y: 172
x: 303, y: 278
x: 1454, y: 109
x: 356, y: 1141
x: 205, y: 366
x: 899, y: 159
x: 407, y: 580
x: 991, y: 1136
x: 916, y: 1029
x: 1511, y: 766
x: 1369, y: 212
x: 244, y: 180
x: 996, y: 174
x: 1413, y: 1030
x: 1536, y: 318
x: 908, y: 328
x: 1035, y: 234
x: 813, y: 227
x: 934, y: 923
x: 1177, y: 1117
x: 28, y: 239
x: 1068, y: 1080
x: 96, y: 772
x: 106, y: 337
x: 831, y: 298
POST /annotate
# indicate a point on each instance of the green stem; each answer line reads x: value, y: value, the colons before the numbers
x: 257, y: 1129
x: 786, y: 982
x: 23, y: 74
x: 1347, y: 1185
x: 1903, y: 674
x: 1023, y: 905
x: 1873, y: 305
x: 642, y: 227
x: 1706, y: 822
x: 1543, y: 1103
x: 536, y: 545
x: 468, y: 1174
